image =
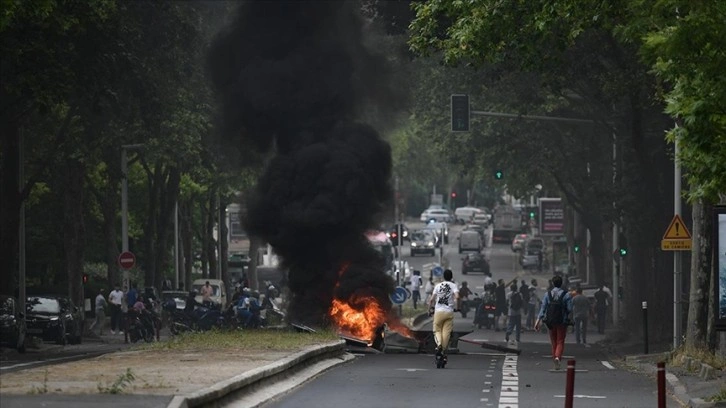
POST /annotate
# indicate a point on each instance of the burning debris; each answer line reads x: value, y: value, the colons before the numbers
x: 293, y: 78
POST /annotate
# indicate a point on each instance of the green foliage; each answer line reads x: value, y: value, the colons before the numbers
x: 119, y: 385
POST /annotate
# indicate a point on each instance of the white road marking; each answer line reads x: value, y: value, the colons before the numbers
x: 608, y: 365
x: 509, y: 393
x: 412, y: 370
x: 583, y: 396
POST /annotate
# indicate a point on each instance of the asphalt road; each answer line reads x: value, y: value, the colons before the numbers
x: 478, y: 377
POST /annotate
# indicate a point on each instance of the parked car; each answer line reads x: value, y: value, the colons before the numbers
x: 423, y: 241
x: 518, y: 242
x: 179, y: 297
x: 393, y: 233
x: 441, y: 229
x: 54, y: 318
x: 438, y: 215
x: 12, y: 324
x: 470, y: 241
x: 219, y: 293
x: 475, y: 263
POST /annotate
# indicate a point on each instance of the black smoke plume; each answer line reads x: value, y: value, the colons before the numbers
x: 292, y: 78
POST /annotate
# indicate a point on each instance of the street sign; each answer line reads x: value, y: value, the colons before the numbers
x: 126, y: 260
x: 437, y: 271
x: 400, y: 294
x: 677, y: 237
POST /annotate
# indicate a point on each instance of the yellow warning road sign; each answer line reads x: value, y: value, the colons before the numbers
x: 677, y: 230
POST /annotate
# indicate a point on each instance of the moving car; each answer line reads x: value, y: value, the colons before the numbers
x: 393, y: 233
x: 518, y: 242
x: 479, y: 229
x: 12, y: 324
x: 470, y: 241
x: 465, y: 214
x: 475, y: 263
x: 423, y: 241
x: 54, y: 318
x: 441, y: 229
x: 481, y: 218
x: 438, y: 215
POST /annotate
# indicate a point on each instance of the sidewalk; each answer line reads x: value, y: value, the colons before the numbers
x: 689, y: 387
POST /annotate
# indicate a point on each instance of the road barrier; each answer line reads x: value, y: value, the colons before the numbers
x: 661, y: 385
x: 570, y: 387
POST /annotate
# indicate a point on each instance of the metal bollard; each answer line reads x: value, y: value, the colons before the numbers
x: 570, y: 386
x: 661, y: 385
x: 645, y: 327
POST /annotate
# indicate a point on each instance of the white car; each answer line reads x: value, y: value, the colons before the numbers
x: 465, y: 214
x: 438, y: 215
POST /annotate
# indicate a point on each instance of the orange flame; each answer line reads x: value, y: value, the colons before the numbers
x: 360, y: 316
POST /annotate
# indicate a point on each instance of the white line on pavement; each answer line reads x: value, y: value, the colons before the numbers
x: 608, y: 365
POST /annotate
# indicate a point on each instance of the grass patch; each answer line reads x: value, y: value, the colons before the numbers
x: 720, y: 397
x: 43, y: 389
x: 244, y: 340
x: 118, y: 386
x: 701, y: 354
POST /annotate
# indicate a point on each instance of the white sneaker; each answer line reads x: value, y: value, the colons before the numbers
x: 557, y: 363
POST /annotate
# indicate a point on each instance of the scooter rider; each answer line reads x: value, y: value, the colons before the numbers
x: 444, y: 302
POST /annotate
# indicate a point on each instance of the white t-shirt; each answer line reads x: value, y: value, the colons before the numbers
x: 445, y: 293
x: 115, y: 297
x: 415, y: 282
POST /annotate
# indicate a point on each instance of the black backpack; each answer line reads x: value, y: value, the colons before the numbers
x: 515, y: 302
x: 524, y: 291
x: 555, y: 313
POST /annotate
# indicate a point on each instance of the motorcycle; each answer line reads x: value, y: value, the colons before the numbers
x: 200, y: 319
x: 141, y: 325
x: 485, y: 314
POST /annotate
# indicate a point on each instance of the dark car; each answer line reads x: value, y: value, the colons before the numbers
x: 393, y: 233
x: 54, y: 318
x: 423, y: 241
x: 475, y: 263
x: 12, y: 324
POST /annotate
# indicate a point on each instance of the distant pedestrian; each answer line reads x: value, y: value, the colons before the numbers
x: 601, y: 308
x: 100, y: 309
x: 532, y: 305
x: 207, y: 293
x: 131, y: 296
x: 501, y: 295
x: 115, y: 299
x: 581, y: 312
x: 415, y: 282
x: 514, y: 321
x: 429, y: 289
x: 555, y: 313
x: 524, y: 291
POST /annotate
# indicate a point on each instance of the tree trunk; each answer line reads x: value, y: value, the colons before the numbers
x: 108, y: 203
x: 9, y: 203
x: 204, y: 238
x: 186, y: 238
x: 211, y: 242
x: 701, y: 266
x: 168, y: 194
x: 155, y: 183
x: 222, y: 236
x: 73, y: 228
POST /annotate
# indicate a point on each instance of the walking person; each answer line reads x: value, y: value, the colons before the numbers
x: 524, y: 291
x: 115, y: 298
x: 429, y: 289
x: 581, y: 312
x: 601, y: 308
x: 532, y: 305
x: 555, y: 313
x: 415, y: 282
x: 444, y: 302
x: 100, y: 309
x: 514, y: 313
x: 501, y: 295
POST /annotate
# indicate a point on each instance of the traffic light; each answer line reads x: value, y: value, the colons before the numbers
x: 576, y: 248
x: 460, y: 113
x: 85, y: 278
x: 453, y: 194
x: 531, y: 215
x: 498, y: 174
x: 623, y: 251
x: 623, y: 244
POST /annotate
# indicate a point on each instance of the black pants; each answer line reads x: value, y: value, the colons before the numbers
x: 115, y: 317
x: 601, y: 316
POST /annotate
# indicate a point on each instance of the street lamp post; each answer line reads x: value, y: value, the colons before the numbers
x: 125, y: 206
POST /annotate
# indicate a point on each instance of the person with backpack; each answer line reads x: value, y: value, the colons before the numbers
x: 514, y: 322
x: 555, y: 314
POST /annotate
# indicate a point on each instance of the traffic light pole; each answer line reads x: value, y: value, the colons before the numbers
x: 677, y: 312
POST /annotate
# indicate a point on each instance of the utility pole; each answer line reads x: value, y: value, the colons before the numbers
x: 21, y: 226
x: 677, y: 312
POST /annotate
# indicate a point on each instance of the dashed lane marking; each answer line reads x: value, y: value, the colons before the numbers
x: 608, y: 365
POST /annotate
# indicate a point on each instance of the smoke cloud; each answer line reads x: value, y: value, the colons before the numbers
x: 292, y: 78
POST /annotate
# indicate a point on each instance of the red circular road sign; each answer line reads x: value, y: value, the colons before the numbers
x: 127, y: 260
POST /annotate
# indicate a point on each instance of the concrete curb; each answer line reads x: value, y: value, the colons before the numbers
x: 255, y: 376
x: 674, y: 385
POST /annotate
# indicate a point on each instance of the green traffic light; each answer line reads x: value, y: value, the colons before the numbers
x: 531, y: 214
x: 623, y: 251
x: 498, y: 174
x: 577, y: 248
